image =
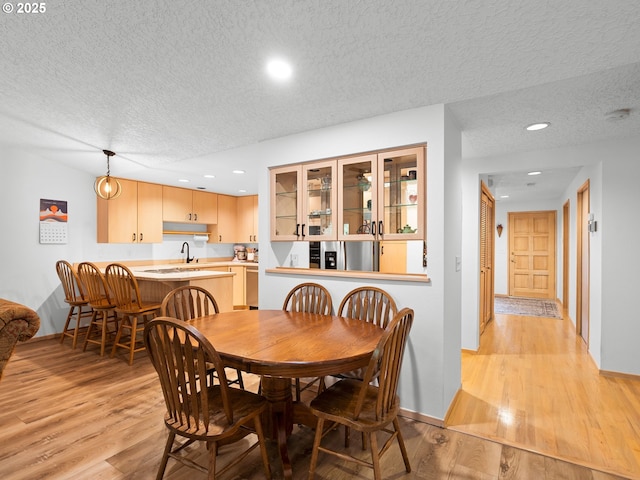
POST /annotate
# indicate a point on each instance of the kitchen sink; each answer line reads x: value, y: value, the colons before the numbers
x: 171, y: 270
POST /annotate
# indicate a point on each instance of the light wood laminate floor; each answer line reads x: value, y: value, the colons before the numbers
x: 73, y: 415
x: 532, y: 384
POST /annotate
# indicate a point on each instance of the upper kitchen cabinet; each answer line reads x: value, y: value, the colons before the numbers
x: 189, y: 206
x: 303, y: 202
x: 225, y: 230
x: 133, y: 217
x: 247, y: 215
x: 382, y: 196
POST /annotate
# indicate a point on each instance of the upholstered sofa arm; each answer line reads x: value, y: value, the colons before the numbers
x: 17, y: 323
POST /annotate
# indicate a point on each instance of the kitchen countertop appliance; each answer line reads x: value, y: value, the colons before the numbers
x: 239, y: 253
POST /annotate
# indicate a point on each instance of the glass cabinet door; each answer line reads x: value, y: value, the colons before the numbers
x: 357, y: 178
x: 401, y: 194
x: 285, y: 206
x: 320, y: 201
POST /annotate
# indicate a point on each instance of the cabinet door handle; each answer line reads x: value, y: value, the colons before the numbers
x: 133, y: 238
x: 303, y: 225
x: 141, y: 236
x: 189, y: 217
x: 297, y: 229
x: 220, y: 238
x: 195, y: 217
x: 373, y: 228
x: 380, y: 228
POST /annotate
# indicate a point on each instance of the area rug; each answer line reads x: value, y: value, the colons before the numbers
x: 532, y: 307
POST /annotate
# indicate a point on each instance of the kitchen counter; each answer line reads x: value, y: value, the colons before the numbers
x: 156, y: 281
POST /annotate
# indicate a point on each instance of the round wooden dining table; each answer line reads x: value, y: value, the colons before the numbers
x: 281, y: 345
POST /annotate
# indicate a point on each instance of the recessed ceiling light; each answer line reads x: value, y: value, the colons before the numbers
x: 279, y: 69
x: 504, y: 196
x: 537, y: 126
x: 183, y: 180
x: 239, y: 171
x: 209, y: 176
x: 242, y: 190
x: 537, y: 172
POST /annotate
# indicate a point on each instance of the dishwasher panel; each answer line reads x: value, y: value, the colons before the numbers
x: 252, y: 287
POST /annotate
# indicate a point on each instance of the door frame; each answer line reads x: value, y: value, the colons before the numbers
x: 581, y: 276
x: 486, y: 280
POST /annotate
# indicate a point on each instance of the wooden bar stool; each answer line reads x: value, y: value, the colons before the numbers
x: 104, y: 308
x: 78, y: 305
x: 133, y: 311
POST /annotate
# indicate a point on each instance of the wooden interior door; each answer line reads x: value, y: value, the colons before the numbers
x: 582, y: 276
x: 487, y: 245
x: 532, y: 247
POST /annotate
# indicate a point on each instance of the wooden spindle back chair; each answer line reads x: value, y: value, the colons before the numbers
x: 196, y: 410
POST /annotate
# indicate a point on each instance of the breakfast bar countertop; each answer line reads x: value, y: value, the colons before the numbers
x: 185, y: 271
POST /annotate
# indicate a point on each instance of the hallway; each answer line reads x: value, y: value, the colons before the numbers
x: 533, y: 385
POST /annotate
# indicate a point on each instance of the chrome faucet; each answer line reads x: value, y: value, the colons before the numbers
x: 182, y: 251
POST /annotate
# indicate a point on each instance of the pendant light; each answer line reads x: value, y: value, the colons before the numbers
x: 105, y: 186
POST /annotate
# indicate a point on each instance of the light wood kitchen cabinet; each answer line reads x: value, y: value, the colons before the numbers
x: 382, y: 196
x: 133, y: 217
x: 190, y: 206
x: 225, y: 229
x: 303, y: 202
x: 247, y: 214
x: 238, y: 286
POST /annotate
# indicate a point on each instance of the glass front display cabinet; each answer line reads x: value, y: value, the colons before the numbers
x: 303, y: 202
x: 382, y: 196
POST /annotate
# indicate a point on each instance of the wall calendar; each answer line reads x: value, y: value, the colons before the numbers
x: 53, y: 221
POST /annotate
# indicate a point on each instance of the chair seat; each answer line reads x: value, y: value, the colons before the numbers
x: 102, y: 304
x: 245, y: 404
x: 135, y: 310
x: 336, y: 404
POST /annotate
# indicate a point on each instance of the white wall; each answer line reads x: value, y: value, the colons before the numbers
x: 28, y: 268
x: 431, y: 372
x: 618, y: 234
x: 612, y: 169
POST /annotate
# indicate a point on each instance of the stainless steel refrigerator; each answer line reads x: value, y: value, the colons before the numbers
x: 363, y: 256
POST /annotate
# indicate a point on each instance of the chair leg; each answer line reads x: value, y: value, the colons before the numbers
x: 213, y: 453
x: 297, y: 380
x: 91, y: 323
x: 134, y: 335
x: 122, y: 325
x: 403, y: 449
x: 316, y: 447
x: 375, y: 455
x: 263, y: 447
x: 165, y: 456
x: 66, y: 323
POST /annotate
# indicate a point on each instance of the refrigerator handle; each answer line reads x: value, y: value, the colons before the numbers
x: 344, y: 257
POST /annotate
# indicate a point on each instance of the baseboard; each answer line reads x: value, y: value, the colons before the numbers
x: 470, y: 352
x: 624, y: 376
x: 420, y: 417
x: 43, y: 337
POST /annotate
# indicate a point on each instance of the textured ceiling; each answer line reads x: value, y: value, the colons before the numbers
x: 165, y: 84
